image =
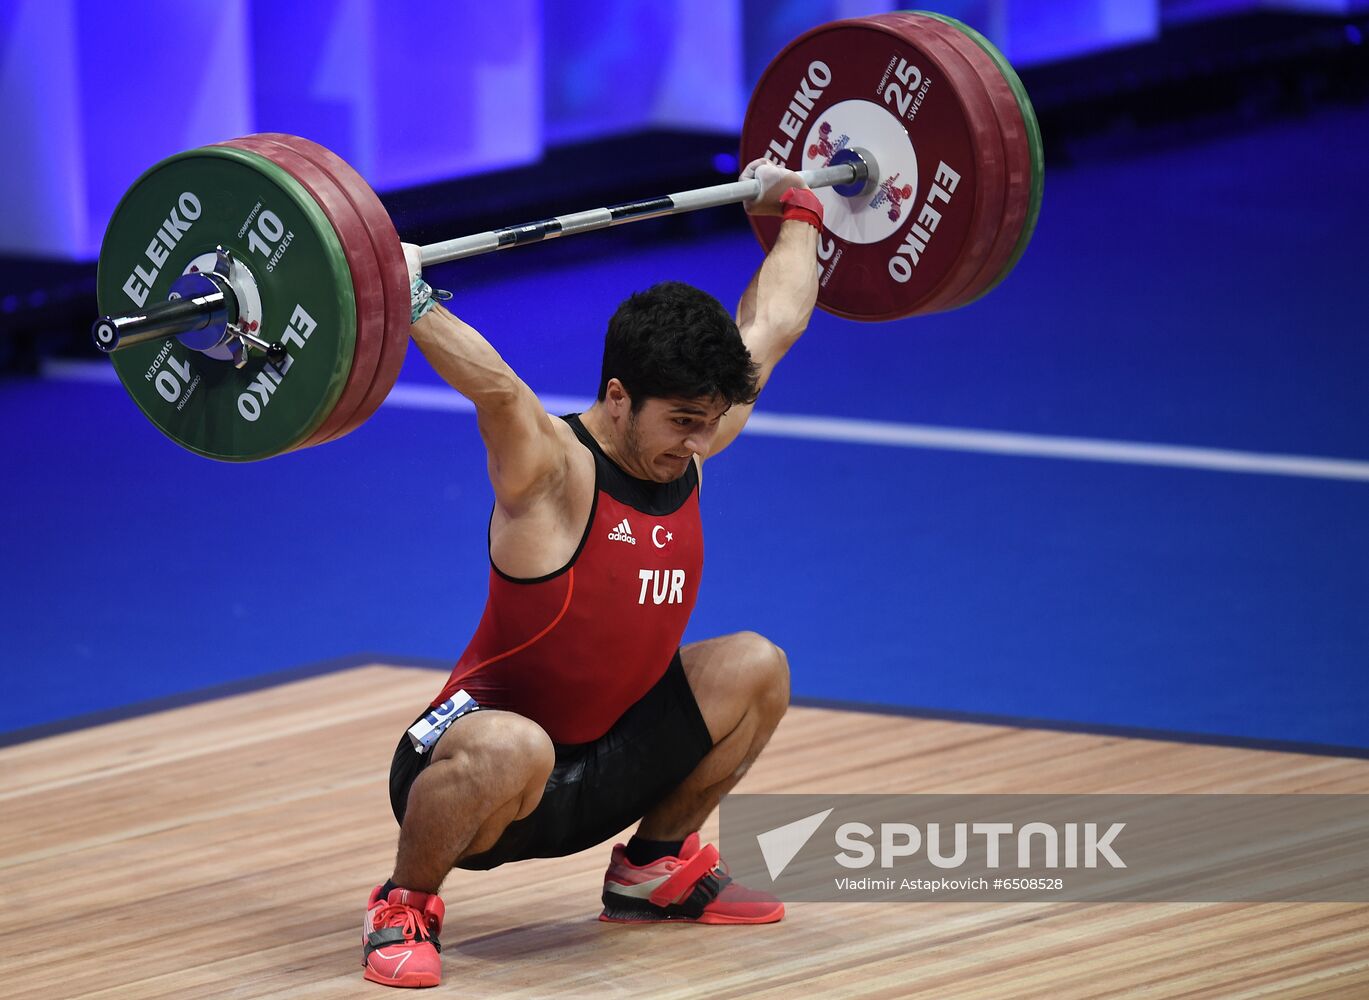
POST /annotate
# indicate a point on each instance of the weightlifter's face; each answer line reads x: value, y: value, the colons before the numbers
x: 666, y: 433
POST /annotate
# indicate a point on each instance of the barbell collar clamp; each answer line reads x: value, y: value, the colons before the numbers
x: 274, y: 351
x: 866, y: 171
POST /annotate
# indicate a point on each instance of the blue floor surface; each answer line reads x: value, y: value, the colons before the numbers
x: 1207, y: 296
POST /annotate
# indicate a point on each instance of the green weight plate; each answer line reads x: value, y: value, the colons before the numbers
x: 174, y: 216
x: 1038, y: 150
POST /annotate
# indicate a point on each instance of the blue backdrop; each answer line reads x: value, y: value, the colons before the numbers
x: 91, y: 93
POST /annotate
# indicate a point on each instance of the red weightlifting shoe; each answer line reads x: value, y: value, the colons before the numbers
x: 399, y: 945
x: 693, y: 887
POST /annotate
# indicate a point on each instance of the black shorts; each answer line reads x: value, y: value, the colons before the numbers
x: 596, y: 789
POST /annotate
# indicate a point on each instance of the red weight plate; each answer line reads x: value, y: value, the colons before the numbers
x: 1036, y: 152
x: 356, y: 244
x: 964, y: 78
x: 394, y: 272
x: 1016, y: 145
x: 864, y: 83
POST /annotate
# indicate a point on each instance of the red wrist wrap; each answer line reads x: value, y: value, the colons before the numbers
x: 802, y: 205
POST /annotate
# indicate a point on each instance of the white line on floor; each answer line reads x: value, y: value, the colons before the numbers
x: 419, y: 396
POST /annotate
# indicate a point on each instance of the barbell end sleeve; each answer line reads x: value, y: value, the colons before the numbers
x: 113, y: 333
x: 212, y: 305
x: 105, y: 333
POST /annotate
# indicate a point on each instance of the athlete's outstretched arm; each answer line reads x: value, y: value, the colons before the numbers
x: 777, y: 304
x: 525, y: 454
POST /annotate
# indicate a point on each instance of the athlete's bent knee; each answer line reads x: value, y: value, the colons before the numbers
x: 767, y: 665
x: 499, y: 748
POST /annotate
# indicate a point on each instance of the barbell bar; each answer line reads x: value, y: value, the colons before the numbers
x: 851, y: 174
x: 182, y: 315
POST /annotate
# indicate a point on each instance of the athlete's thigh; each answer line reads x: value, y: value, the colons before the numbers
x: 597, y: 789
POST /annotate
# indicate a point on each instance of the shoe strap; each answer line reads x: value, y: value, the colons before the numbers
x: 682, y: 883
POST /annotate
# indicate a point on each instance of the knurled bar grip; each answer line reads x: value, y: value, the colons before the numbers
x: 165, y: 319
x: 631, y: 211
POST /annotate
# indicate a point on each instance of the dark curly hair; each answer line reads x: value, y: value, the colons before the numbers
x: 675, y: 341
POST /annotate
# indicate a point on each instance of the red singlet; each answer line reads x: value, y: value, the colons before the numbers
x: 572, y: 651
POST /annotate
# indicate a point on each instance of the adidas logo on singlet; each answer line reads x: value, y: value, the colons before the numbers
x: 622, y: 533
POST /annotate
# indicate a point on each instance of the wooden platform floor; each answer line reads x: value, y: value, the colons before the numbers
x: 226, y: 849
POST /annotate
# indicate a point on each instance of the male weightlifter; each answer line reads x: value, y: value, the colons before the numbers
x: 574, y: 711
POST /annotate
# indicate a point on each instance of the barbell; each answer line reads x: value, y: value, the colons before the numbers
x: 255, y: 293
